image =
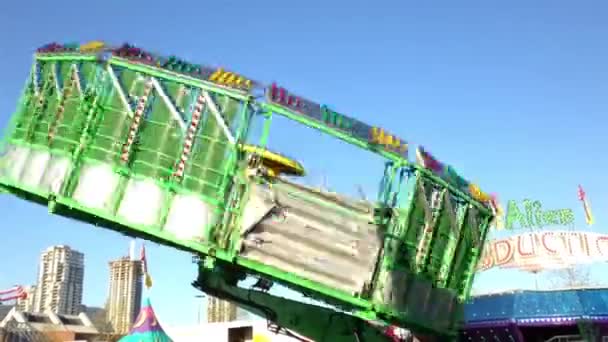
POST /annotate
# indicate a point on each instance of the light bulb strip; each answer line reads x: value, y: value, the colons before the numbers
x: 67, y: 91
x: 190, y: 133
x: 137, y: 118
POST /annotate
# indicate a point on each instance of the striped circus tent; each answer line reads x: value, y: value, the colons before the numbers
x: 146, y: 327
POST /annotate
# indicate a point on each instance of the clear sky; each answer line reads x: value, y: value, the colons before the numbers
x: 513, y: 94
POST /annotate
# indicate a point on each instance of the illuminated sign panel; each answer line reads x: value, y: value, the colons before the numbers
x: 134, y: 54
x: 533, y: 216
x: 93, y: 46
x: 535, y: 251
x: 226, y: 78
x: 323, y: 114
x: 448, y: 174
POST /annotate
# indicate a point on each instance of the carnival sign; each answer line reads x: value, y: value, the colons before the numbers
x: 535, y: 251
x: 448, y: 174
x: 530, y: 214
x: 375, y: 136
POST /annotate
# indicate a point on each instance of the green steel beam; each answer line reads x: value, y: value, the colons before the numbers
x: 332, y: 131
x: 152, y: 71
x: 322, y: 324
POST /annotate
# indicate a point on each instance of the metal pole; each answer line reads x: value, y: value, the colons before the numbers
x: 200, y: 302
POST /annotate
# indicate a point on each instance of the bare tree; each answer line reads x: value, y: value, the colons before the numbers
x: 572, y: 277
x: 100, y: 322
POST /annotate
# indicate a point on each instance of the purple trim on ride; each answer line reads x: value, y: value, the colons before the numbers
x: 536, y: 322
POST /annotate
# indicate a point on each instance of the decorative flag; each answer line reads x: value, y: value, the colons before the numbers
x: 499, y: 222
x: 14, y: 293
x: 144, y: 264
x: 583, y: 198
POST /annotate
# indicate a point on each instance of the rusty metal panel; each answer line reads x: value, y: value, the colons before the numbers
x: 316, y: 235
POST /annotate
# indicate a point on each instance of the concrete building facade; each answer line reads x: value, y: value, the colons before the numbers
x: 247, y: 331
x: 219, y: 310
x: 60, y: 281
x: 27, y: 304
x: 124, y: 293
x: 29, y: 326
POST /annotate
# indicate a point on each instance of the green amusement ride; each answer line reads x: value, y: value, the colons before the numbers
x: 158, y: 148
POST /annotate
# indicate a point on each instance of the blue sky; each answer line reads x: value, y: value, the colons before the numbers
x: 512, y: 94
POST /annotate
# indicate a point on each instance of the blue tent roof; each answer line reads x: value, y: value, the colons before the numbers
x: 525, y: 305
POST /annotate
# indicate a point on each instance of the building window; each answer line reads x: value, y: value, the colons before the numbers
x: 241, y: 334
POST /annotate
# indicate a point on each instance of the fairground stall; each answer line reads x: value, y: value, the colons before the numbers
x: 577, y: 311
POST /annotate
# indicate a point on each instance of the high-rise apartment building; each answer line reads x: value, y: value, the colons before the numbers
x: 60, y: 281
x: 219, y: 310
x: 27, y: 304
x: 124, y: 294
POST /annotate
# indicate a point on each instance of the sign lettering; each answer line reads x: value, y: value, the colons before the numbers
x: 540, y: 250
x: 280, y: 96
x: 533, y: 216
x: 93, y: 46
x: 428, y: 161
x: 336, y: 120
x: 137, y: 55
x: 448, y: 174
x: 388, y: 141
x: 323, y: 114
x: 229, y: 79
